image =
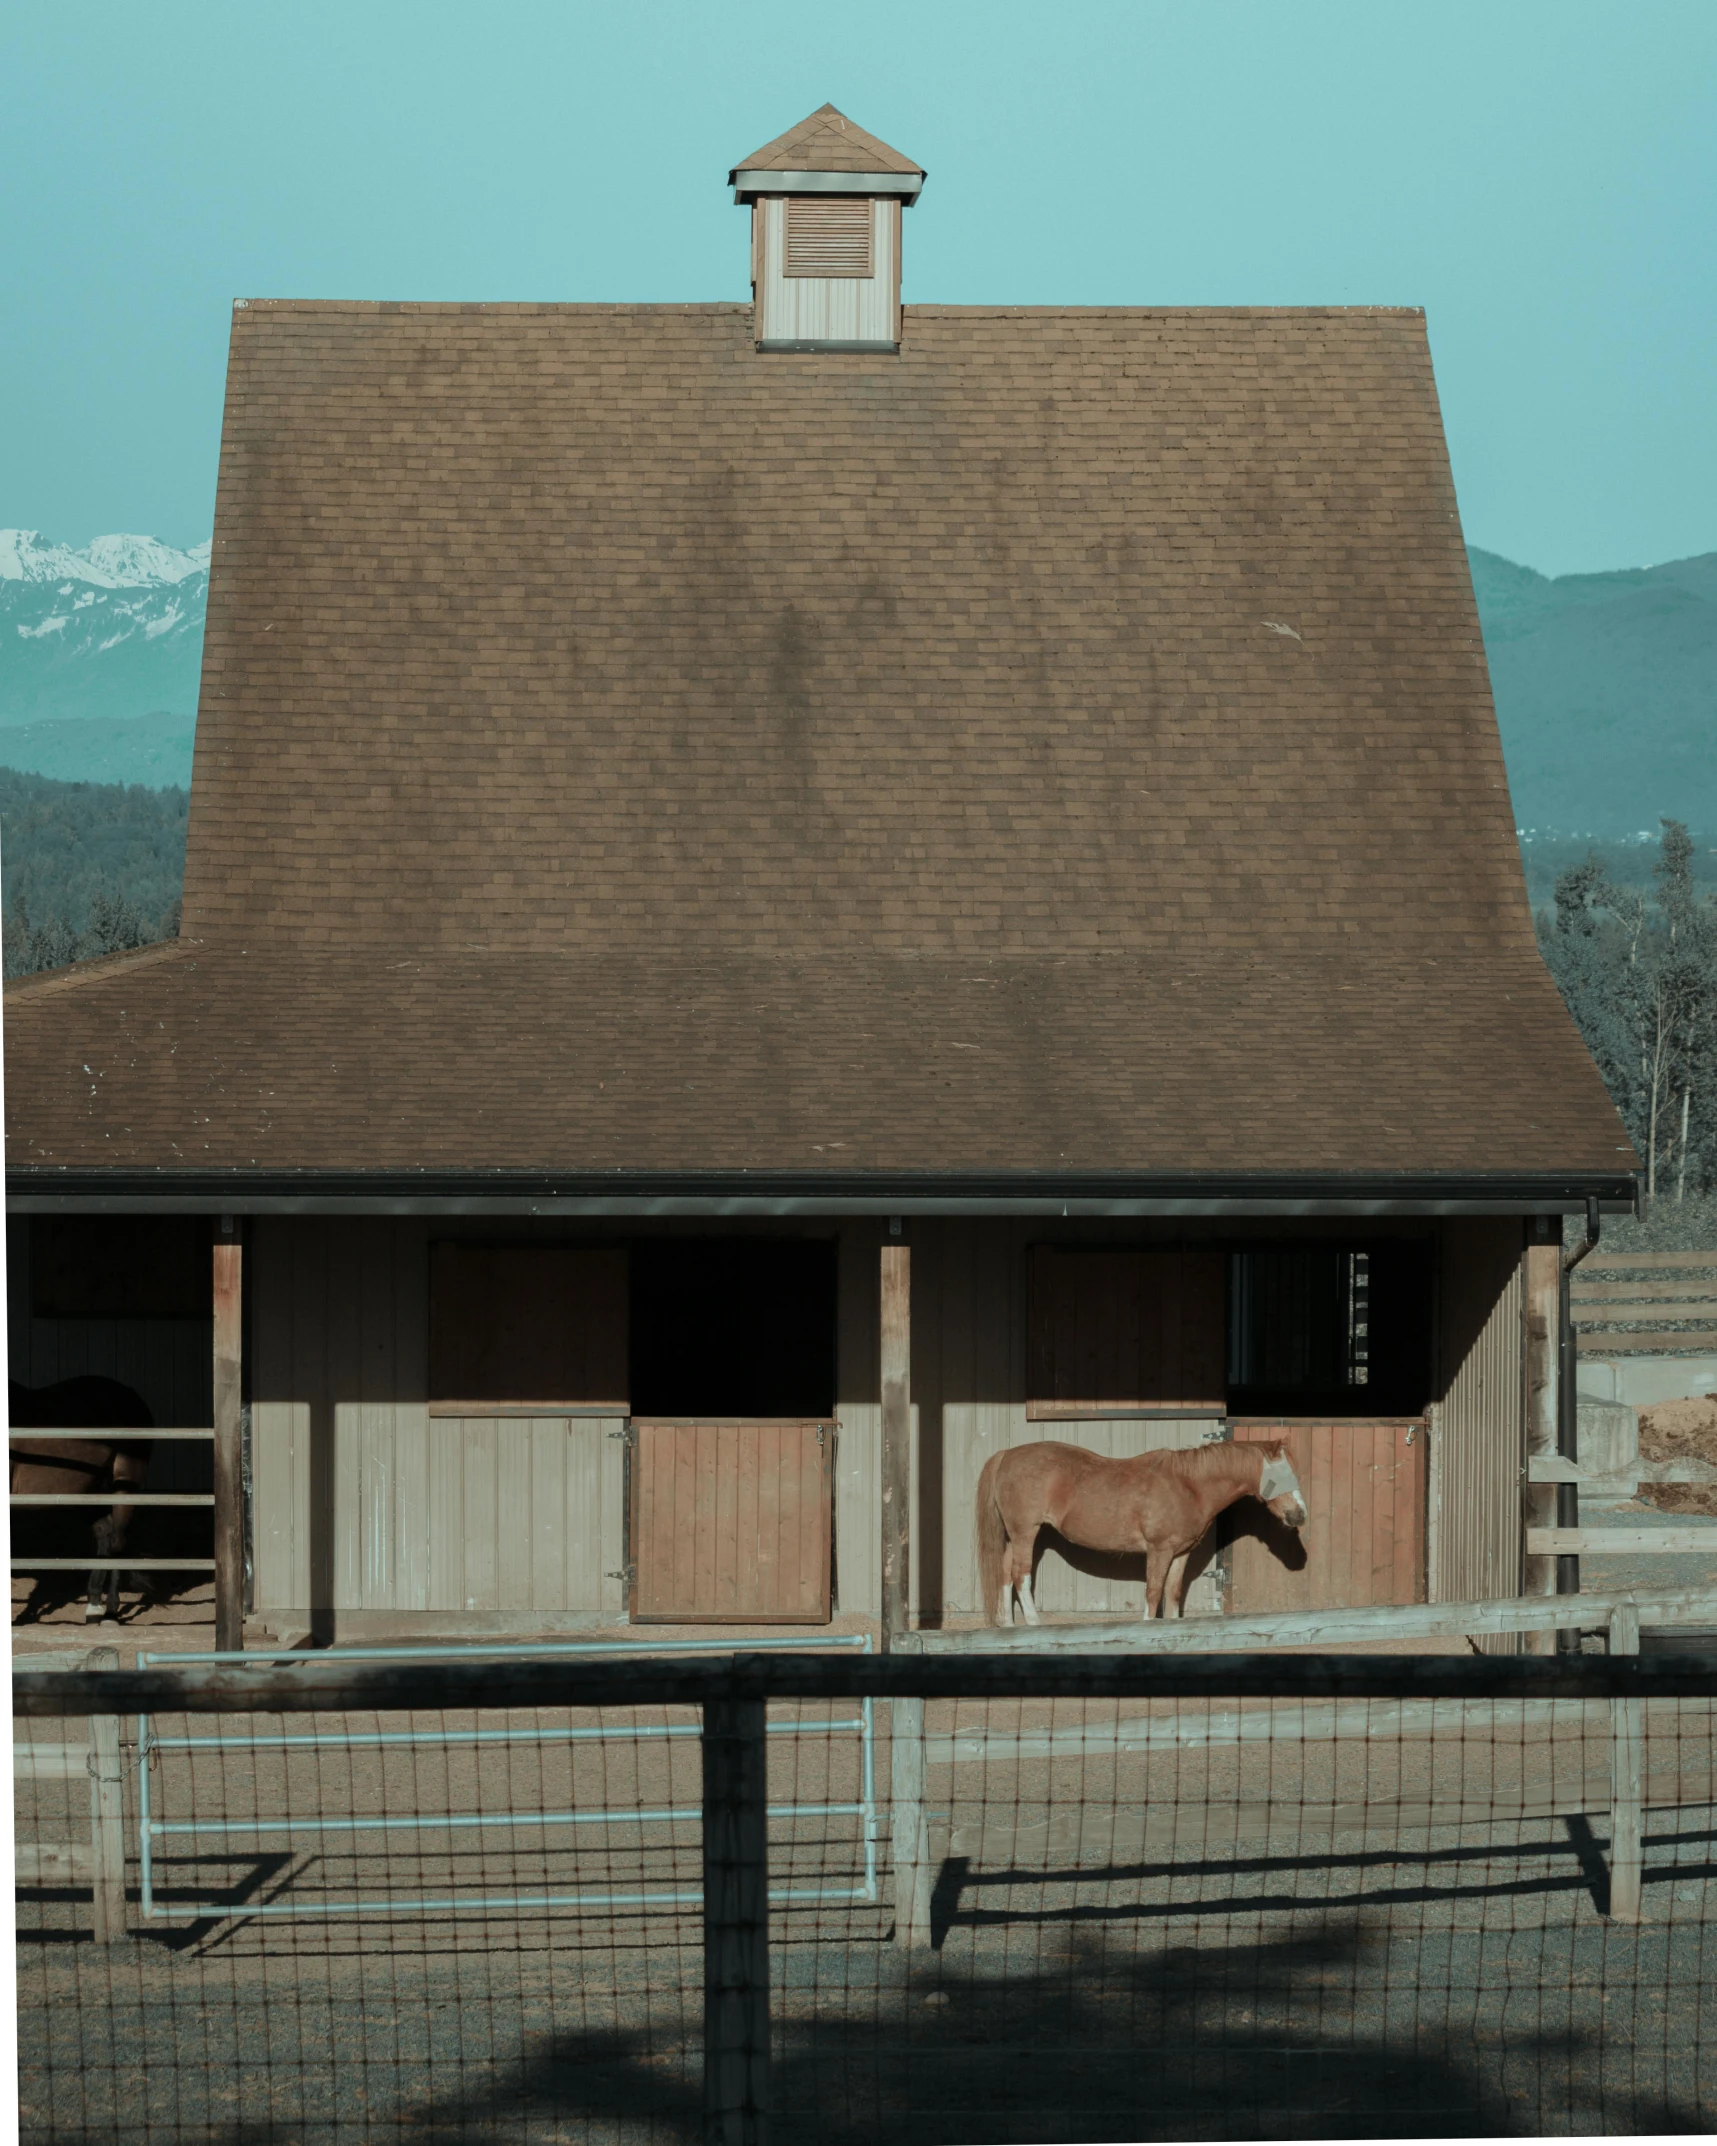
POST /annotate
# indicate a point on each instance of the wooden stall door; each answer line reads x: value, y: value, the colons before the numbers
x: 732, y: 1523
x: 1364, y: 1540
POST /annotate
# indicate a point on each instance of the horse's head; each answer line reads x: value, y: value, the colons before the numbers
x: 1279, y: 1487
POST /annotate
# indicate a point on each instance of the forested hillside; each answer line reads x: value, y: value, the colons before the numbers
x: 1637, y: 967
x: 87, y: 868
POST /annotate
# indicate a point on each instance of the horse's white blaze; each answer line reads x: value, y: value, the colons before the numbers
x: 1279, y: 1481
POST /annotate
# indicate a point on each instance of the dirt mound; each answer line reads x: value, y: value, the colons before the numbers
x: 1680, y: 1430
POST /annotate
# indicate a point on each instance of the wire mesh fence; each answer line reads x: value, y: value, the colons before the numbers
x: 802, y: 1897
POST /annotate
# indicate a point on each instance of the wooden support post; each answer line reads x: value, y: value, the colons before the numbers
x: 1542, y: 1305
x: 1626, y: 1734
x: 229, y: 1448
x: 106, y: 1813
x: 896, y: 1501
x: 735, y: 1923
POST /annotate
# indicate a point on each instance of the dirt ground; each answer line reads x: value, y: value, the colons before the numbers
x: 1385, y: 1937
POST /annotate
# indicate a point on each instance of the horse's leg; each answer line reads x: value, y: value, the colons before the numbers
x: 1174, y: 1583
x: 1156, y: 1571
x: 103, y: 1585
x: 1025, y: 1598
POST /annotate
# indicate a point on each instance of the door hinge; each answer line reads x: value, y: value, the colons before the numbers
x: 628, y: 1436
x: 628, y: 1573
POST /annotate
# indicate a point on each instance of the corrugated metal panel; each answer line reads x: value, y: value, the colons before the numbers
x: 842, y: 308
x: 731, y: 1522
x: 1364, y: 1485
x: 1482, y: 1417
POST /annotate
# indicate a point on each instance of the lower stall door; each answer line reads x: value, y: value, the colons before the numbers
x: 1364, y: 1538
x: 732, y: 1522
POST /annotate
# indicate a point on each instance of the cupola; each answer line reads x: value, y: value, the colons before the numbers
x: 825, y: 203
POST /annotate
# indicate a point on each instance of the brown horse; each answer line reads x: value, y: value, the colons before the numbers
x: 1160, y: 1503
x: 80, y: 1466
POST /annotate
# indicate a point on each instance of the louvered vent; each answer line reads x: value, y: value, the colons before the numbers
x: 827, y: 238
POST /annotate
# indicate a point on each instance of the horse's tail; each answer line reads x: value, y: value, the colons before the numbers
x: 992, y: 1537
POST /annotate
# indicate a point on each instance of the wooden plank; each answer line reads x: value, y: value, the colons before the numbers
x: 50, y: 1762
x: 1626, y: 1851
x: 113, y: 1564
x: 1653, y: 1341
x: 1553, y: 1468
x: 1610, y: 1262
x: 1590, y: 1318
x: 1698, y: 1540
x: 228, y: 1446
x: 116, y: 1497
x: 736, y: 1922
x: 895, y: 1367
x: 23, y: 1438
x: 53, y: 1863
x: 1605, y: 1293
x: 332, y: 1684
x: 1336, y: 1627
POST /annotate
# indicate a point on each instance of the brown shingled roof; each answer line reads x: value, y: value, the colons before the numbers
x: 1065, y: 745
x: 827, y: 141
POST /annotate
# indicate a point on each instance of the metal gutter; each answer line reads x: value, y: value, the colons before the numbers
x: 748, y: 183
x: 42, y: 1190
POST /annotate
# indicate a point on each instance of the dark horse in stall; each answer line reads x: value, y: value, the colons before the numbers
x: 78, y: 1466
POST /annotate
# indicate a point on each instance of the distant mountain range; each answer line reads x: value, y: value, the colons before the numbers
x: 1606, y: 691
x: 100, y: 652
x: 1606, y: 684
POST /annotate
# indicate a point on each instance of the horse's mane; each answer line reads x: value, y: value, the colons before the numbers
x: 1218, y: 1458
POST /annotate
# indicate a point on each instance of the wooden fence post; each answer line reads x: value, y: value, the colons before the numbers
x: 908, y: 1826
x: 1626, y: 1734
x: 229, y: 1448
x: 896, y: 1501
x: 106, y: 1812
x: 736, y: 1923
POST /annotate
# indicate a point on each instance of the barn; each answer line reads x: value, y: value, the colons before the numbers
x: 783, y: 894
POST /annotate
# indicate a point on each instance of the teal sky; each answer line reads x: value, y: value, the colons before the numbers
x: 1541, y: 177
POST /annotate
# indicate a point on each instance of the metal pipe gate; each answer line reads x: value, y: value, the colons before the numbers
x: 153, y: 1829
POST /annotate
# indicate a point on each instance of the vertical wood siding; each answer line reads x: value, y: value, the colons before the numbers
x: 1481, y: 1420
x: 731, y: 1523
x: 835, y: 309
x: 1363, y: 1543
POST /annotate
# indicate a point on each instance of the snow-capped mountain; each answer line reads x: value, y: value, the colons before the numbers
x: 100, y: 651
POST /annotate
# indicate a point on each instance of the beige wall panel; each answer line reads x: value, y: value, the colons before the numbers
x: 446, y: 1513
x: 482, y: 1513
x: 858, y: 1520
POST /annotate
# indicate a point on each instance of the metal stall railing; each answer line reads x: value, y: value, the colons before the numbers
x: 155, y: 1829
x: 110, y: 1498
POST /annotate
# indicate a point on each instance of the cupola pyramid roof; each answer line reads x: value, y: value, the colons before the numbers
x: 826, y: 141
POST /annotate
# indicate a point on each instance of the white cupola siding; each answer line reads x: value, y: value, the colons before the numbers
x: 825, y: 272
x: 826, y: 201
